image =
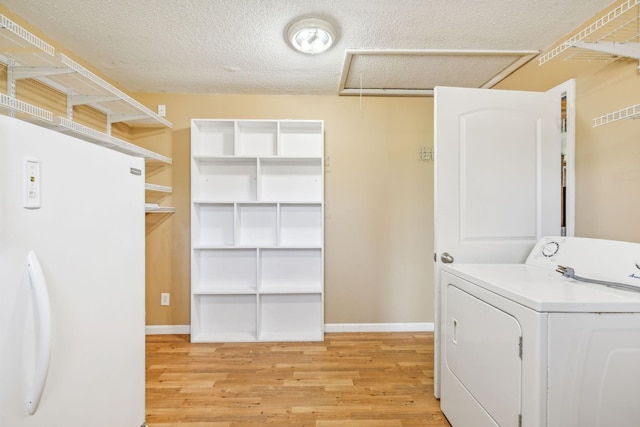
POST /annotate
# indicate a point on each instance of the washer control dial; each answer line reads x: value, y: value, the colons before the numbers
x: 550, y: 249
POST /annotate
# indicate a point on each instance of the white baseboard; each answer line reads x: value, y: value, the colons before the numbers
x: 167, y: 329
x: 328, y: 327
x: 379, y: 327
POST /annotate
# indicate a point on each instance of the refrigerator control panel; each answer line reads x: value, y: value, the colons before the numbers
x: 31, y: 183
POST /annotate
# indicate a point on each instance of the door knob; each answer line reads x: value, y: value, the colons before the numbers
x: 446, y: 258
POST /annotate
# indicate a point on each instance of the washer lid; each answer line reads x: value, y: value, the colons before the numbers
x: 545, y: 291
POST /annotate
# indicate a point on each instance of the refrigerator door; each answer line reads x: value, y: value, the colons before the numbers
x: 88, y: 235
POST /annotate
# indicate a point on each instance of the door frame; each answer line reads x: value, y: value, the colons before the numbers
x: 568, y: 89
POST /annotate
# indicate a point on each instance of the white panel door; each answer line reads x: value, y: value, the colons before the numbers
x: 497, y: 178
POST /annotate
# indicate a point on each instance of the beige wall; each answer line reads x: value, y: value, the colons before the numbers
x: 378, y: 194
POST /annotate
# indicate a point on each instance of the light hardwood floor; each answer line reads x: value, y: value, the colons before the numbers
x: 350, y: 379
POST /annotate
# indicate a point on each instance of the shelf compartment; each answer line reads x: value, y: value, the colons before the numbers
x: 232, y: 270
x: 155, y: 193
x: 301, y: 224
x: 154, y: 166
x: 225, y: 179
x: 300, y: 139
x: 613, y: 35
x: 257, y: 224
x: 291, y: 179
x: 214, y: 224
x: 213, y: 138
x: 291, y: 317
x: 224, y: 318
x: 291, y: 270
x: 256, y: 138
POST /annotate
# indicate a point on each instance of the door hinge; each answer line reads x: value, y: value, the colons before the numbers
x: 520, y: 420
x: 520, y: 347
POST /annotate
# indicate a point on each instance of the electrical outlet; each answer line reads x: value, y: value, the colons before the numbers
x: 164, y: 298
x: 162, y: 110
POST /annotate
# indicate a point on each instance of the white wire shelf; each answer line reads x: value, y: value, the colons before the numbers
x: 614, y: 35
x: 632, y: 112
x: 45, y: 118
x: 30, y: 57
x: 158, y: 188
x: 96, y: 137
x: 155, y: 208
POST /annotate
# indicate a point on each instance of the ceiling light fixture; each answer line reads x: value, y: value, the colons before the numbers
x: 311, y: 35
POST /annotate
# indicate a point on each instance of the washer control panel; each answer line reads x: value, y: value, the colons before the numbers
x: 609, y: 260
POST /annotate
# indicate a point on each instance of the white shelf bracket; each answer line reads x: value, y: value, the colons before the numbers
x: 109, y: 122
x: 11, y: 84
x: 11, y: 81
x: 69, y: 105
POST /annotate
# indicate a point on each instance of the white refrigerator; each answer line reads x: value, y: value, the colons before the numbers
x: 72, y: 348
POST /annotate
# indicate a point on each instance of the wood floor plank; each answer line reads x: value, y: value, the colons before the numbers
x: 359, y: 423
x: 351, y: 380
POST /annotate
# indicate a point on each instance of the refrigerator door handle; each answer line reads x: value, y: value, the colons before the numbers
x: 42, y: 312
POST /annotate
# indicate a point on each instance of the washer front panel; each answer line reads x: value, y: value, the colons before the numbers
x: 594, y: 369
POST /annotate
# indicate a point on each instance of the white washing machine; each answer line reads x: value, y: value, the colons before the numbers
x: 524, y: 345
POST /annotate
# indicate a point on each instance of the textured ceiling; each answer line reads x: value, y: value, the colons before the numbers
x: 224, y: 46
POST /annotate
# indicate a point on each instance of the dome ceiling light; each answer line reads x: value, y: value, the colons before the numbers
x: 311, y: 35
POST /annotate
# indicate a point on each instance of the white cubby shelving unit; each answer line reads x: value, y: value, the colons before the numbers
x: 611, y: 36
x: 26, y: 56
x: 257, y: 230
